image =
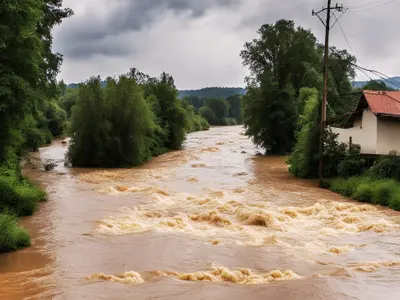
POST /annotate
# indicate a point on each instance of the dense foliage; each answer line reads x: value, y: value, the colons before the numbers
x: 29, y: 115
x: 219, y: 110
x: 129, y: 121
x: 384, y: 192
x: 212, y: 92
x: 283, y: 60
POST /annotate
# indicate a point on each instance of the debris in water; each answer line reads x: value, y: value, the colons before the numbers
x: 198, y: 166
x: 240, y: 174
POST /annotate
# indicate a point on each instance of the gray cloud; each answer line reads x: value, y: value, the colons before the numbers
x: 88, y: 33
x: 198, y: 41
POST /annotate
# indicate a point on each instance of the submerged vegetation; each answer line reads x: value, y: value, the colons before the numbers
x: 128, y: 121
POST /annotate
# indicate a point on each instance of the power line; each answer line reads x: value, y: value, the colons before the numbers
x: 371, y: 6
x: 379, y: 74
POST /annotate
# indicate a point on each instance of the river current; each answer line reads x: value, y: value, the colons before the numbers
x: 213, y: 221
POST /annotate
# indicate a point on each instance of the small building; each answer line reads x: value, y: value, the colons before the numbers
x: 375, y: 124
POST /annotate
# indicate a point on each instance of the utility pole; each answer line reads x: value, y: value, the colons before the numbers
x: 328, y: 27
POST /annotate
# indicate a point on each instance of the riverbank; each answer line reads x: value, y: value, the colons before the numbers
x: 18, y: 197
x: 384, y: 192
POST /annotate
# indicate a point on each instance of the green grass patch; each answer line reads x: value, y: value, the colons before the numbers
x: 12, y: 237
x: 385, y: 192
x: 18, y: 197
x: 17, y: 194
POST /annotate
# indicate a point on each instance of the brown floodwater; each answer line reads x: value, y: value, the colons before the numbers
x: 213, y: 221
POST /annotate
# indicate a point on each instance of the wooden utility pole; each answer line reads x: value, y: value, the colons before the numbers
x: 328, y: 27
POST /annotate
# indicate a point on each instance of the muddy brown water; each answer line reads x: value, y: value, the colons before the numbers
x: 213, y: 221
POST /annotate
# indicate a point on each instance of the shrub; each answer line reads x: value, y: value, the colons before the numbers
x: 12, y: 237
x: 110, y: 127
x: 387, y: 167
x: 208, y: 115
x: 394, y: 202
x: 348, y: 187
x: 384, y: 191
x: 17, y: 195
x: 230, y: 122
x: 364, y: 193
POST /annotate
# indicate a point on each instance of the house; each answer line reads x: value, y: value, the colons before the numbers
x: 375, y: 124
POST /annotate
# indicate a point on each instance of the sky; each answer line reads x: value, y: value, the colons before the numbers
x: 198, y: 41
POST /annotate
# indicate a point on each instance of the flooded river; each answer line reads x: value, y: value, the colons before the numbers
x: 213, y: 221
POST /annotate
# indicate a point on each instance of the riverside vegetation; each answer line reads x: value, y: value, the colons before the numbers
x: 137, y: 116
x: 29, y: 113
x: 282, y: 112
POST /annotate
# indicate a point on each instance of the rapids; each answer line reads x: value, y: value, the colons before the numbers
x: 213, y: 221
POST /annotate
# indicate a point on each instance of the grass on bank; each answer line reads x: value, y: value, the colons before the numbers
x: 12, y: 236
x: 385, y: 192
x: 18, y: 197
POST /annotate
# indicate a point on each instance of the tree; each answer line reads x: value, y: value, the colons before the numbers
x: 270, y: 116
x: 195, y: 101
x: 220, y: 108
x: 28, y: 67
x: 304, y: 159
x: 171, y: 115
x: 236, y: 107
x: 285, y: 52
x: 111, y: 127
x: 208, y: 114
x: 341, y: 71
x: 376, y: 86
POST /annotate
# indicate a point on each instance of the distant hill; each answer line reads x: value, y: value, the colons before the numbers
x: 209, y: 92
x: 212, y: 92
x: 389, y: 82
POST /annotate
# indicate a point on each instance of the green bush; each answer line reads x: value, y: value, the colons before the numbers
x: 348, y: 187
x: 368, y: 189
x: 17, y: 195
x: 230, y: 122
x: 394, y: 202
x: 364, y: 193
x: 387, y: 167
x: 384, y: 191
x: 208, y: 115
x: 12, y: 237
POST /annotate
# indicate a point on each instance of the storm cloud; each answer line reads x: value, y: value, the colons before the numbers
x: 198, y: 42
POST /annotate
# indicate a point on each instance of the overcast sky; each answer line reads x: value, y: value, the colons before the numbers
x: 198, y: 41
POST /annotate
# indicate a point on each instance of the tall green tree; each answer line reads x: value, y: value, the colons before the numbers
x: 285, y: 52
x: 236, y: 107
x: 270, y: 115
x: 374, y: 85
x: 220, y: 107
x: 27, y: 65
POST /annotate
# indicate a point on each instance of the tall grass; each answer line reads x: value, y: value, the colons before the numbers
x: 385, y: 192
x: 18, y: 197
x: 12, y: 237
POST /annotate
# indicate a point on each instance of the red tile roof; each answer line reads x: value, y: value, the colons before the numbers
x: 383, y: 103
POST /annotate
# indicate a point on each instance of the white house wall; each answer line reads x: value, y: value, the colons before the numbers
x: 388, y: 136
x: 364, y: 135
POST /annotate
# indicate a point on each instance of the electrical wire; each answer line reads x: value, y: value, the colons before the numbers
x: 377, y: 4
